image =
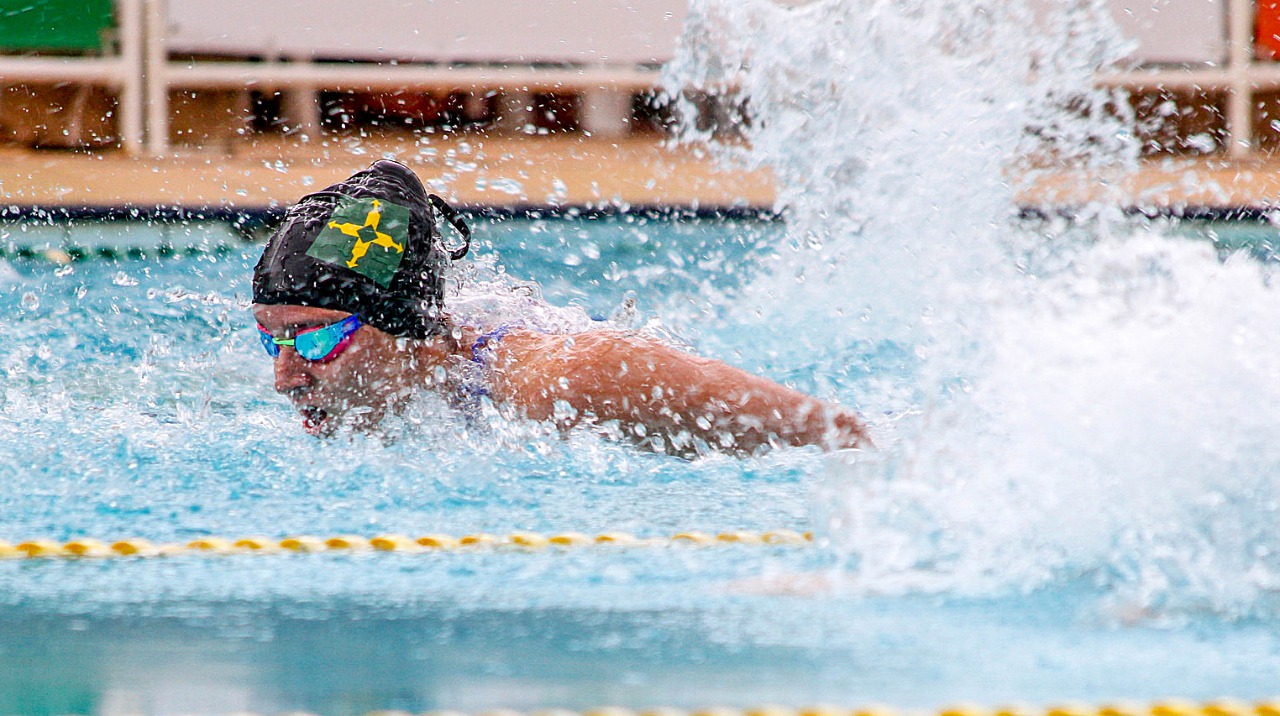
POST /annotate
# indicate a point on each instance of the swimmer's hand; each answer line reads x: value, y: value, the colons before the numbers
x: 668, y: 399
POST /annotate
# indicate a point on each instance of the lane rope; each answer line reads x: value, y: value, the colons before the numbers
x: 518, y: 541
x: 1167, y: 707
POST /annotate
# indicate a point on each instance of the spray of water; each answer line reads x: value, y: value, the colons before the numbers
x: 1091, y: 399
x: 890, y: 127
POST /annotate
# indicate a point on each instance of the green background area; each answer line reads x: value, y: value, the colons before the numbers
x: 53, y: 24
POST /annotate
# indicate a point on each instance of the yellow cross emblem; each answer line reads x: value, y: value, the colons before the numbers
x: 361, y: 246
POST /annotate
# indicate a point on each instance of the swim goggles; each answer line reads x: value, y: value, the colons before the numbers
x: 318, y: 344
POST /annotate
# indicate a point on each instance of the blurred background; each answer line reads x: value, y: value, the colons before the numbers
x: 196, y: 103
x: 1078, y: 500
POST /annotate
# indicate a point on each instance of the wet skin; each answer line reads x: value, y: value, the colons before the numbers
x: 657, y: 395
x: 660, y: 396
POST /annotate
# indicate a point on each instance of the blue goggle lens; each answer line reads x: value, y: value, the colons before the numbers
x: 314, y: 344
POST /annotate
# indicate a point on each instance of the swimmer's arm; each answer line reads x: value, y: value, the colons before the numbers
x: 649, y: 388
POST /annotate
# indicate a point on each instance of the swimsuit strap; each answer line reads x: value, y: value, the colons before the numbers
x: 475, y: 389
x: 484, y: 340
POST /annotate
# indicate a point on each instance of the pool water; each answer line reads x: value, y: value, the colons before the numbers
x: 137, y: 402
x: 1074, y: 497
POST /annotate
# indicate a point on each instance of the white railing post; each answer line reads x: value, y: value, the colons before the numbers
x: 157, y: 62
x: 131, y: 94
x: 302, y: 106
x: 1240, y: 19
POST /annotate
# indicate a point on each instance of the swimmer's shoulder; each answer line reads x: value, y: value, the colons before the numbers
x: 528, y: 360
x: 604, y: 346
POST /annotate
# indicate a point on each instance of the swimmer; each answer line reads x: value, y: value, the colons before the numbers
x: 349, y: 294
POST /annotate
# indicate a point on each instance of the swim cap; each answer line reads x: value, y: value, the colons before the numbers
x: 368, y: 245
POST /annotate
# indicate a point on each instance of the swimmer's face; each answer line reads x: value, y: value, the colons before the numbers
x: 353, y: 390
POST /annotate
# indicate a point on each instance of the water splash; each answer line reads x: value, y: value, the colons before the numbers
x: 1091, y: 399
x: 483, y: 295
x: 137, y: 401
x: 891, y: 127
x: 1118, y: 432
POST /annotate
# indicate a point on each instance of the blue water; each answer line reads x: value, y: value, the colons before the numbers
x: 136, y: 402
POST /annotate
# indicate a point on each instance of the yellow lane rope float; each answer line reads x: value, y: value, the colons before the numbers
x: 528, y: 541
x: 1170, y: 707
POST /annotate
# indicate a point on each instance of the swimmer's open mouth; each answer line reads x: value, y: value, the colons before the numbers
x: 313, y: 418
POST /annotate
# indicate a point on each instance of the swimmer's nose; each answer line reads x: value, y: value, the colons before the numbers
x: 292, y: 372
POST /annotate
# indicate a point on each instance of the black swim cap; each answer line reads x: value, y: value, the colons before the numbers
x: 368, y: 245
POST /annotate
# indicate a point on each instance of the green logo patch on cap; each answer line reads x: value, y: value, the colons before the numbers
x: 367, y: 236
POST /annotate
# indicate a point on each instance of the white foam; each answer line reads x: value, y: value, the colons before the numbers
x: 1096, y: 402
x: 8, y: 274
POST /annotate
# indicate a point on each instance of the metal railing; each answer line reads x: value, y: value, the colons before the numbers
x: 607, y: 88
x: 1240, y: 77
x: 123, y: 72
x: 144, y: 73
